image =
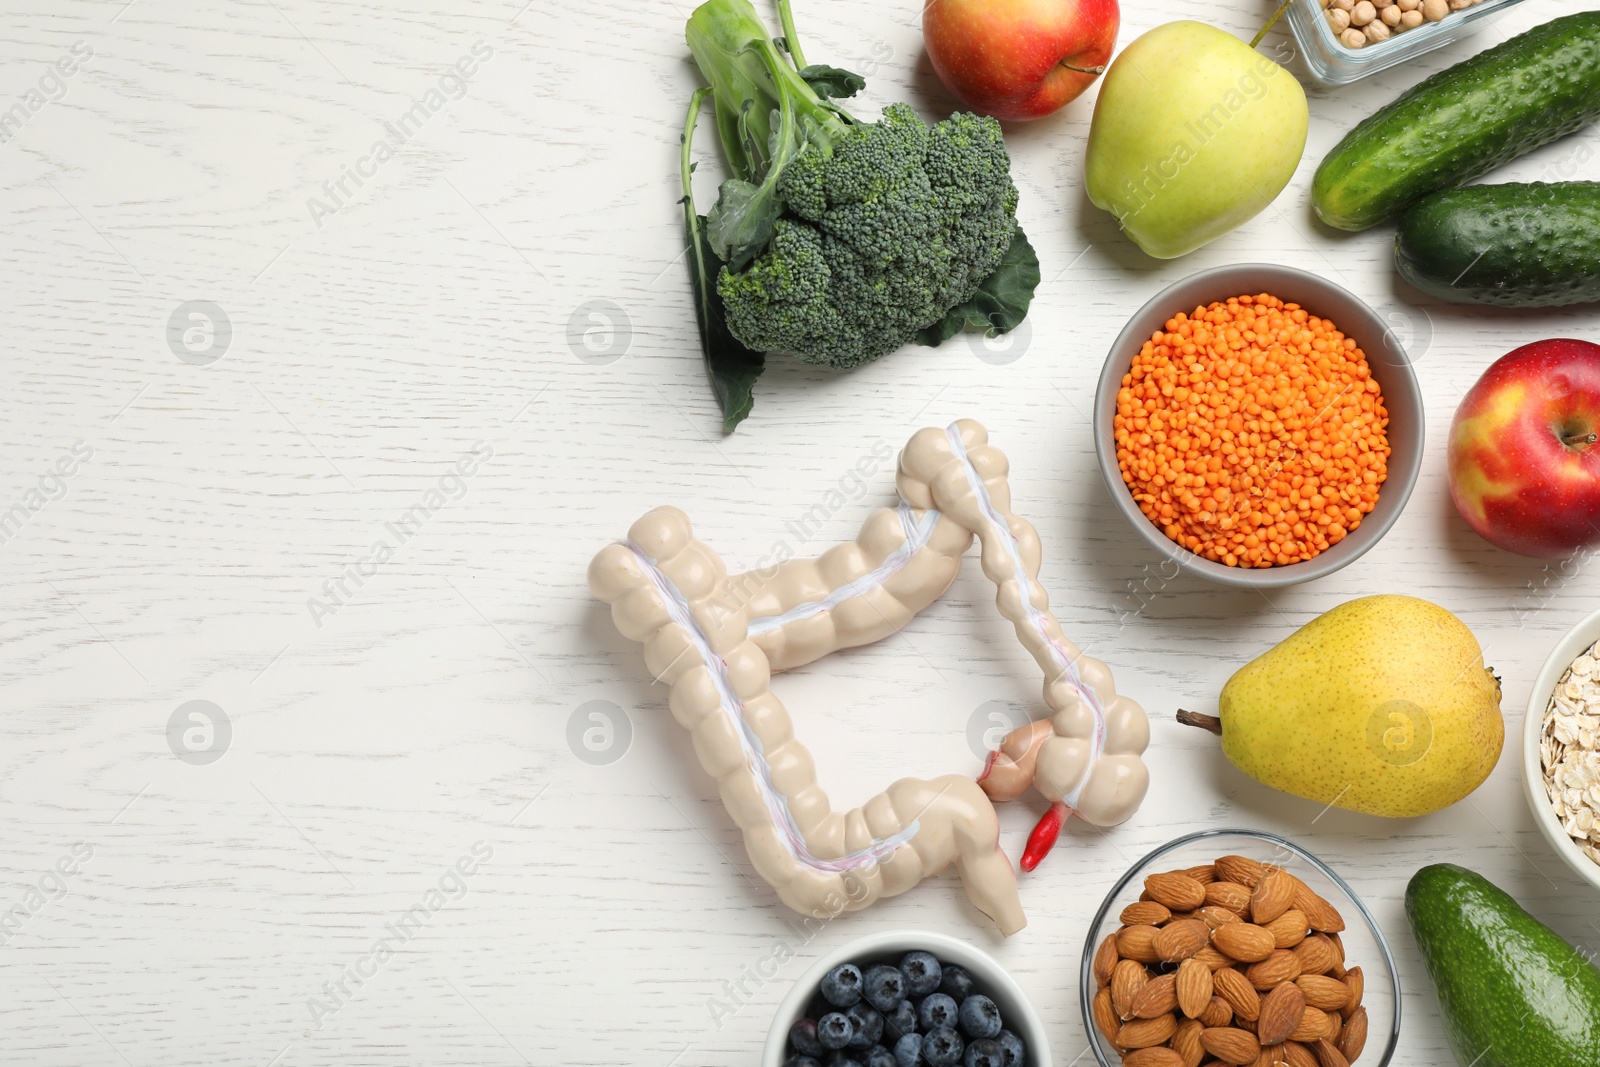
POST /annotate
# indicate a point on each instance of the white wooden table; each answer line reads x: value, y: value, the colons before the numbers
x: 387, y: 714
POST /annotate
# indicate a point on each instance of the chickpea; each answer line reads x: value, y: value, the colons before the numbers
x: 1410, y: 20
x: 1364, y: 12
x: 1381, y: 4
x: 1344, y: 5
x: 1376, y: 31
x: 1353, y: 38
x: 1435, y: 10
x: 1339, y: 20
x: 1409, y: 5
x: 1391, y: 16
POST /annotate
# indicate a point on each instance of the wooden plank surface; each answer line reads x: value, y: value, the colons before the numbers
x: 436, y: 311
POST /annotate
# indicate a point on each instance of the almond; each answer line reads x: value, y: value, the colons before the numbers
x: 1281, y: 966
x: 1354, y: 1037
x: 1272, y: 897
x: 1105, y: 960
x: 1215, y: 915
x: 1205, y: 875
x: 1299, y: 1056
x: 1157, y: 997
x: 1329, y: 1056
x: 1230, y: 1045
x: 1335, y: 1026
x: 1245, y: 871
x: 1126, y: 981
x: 1288, y: 929
x: 1138, y: 943
x: 1145, y: 913
x: 1241, y: 996
x: 1181, y: 938
x: 1186, y: 1042
x: 1143, y: 1033
x: 1176, y: 890
x: 1322, y: 916
x: 1231, y: 895
x: 1323, y: 992
x: 1281, y: 1011
x: 1316, y: 955
x: 1356, y: 982
x: 1271, y: 1056
x: 1194, y: 987
x: 1313, y: 1026
x: 1246, y: 942
x: 1105, y: 1015
x: 1218, y: 1012
x: 1154, y: 1057
x: 1212, y: 957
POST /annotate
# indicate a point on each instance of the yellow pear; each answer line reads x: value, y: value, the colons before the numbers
x: 1382, y: 705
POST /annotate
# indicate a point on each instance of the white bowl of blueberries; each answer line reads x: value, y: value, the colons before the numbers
x: 906, y: 999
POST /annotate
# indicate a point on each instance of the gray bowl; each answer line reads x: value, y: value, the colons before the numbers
x: 1385, y: 355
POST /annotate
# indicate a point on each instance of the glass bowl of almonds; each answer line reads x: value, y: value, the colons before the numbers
x: 1561, y: 750
x: 1346, y: 40
x: 1240, y: 948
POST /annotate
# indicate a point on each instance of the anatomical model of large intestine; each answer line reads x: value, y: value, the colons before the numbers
x: 718, y: 655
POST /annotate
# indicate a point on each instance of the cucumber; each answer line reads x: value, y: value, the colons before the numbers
x: 1524, y: 246
x: 1463, y: 122
x: 1512, y: 993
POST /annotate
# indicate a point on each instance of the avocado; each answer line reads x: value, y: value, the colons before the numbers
x: 1512, y: 992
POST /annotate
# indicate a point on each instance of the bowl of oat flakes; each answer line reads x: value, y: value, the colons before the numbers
x: 1561, y: 749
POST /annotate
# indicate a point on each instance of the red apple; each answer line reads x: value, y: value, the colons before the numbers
x: 1019, y: 59
x: 1524, y: 457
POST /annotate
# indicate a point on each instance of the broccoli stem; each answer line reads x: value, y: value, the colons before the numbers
x: 790, y: 41
x: 752, y: 80
x: 685, y: 165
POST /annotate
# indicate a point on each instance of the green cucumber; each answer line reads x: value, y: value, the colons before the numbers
x: 1463, y: 122
x: 1512, y: 993
x: 1528, y: 246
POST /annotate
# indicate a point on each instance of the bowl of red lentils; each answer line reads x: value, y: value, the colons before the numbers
x: 1258, y: 425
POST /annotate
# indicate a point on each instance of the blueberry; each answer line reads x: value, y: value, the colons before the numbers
x: 902, y: 1020
x: 1012, y: 1048
x: 984, y: 1053
x: 908, y: 1051
x: 936, y: 1010
x: 841, y: 986
x: 866, y: 1025
x: 941, y: 1047
x: 980, y: 1017
x: 803, y: 1038
x: 878, y: 1056
x: 956, y: 983
x: 833, y: 1030
x: 798, y: 1060
x: 884, y: 986
x: 844, y: 1059
x: 922, y: 973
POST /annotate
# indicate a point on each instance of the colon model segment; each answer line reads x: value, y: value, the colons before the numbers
x: 717, y: 640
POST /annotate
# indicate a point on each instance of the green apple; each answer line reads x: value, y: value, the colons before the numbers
x: 1194, y: 133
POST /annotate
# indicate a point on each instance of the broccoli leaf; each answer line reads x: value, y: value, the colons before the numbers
x: 831, y: 83
x: 1000, y: 303
x: 739, y: 225
x: 732, y: 368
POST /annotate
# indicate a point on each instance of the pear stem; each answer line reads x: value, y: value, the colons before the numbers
x: 1205, y: 722
x: 1273, y: 21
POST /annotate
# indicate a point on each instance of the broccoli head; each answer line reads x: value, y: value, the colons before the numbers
x: 886, y: 229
